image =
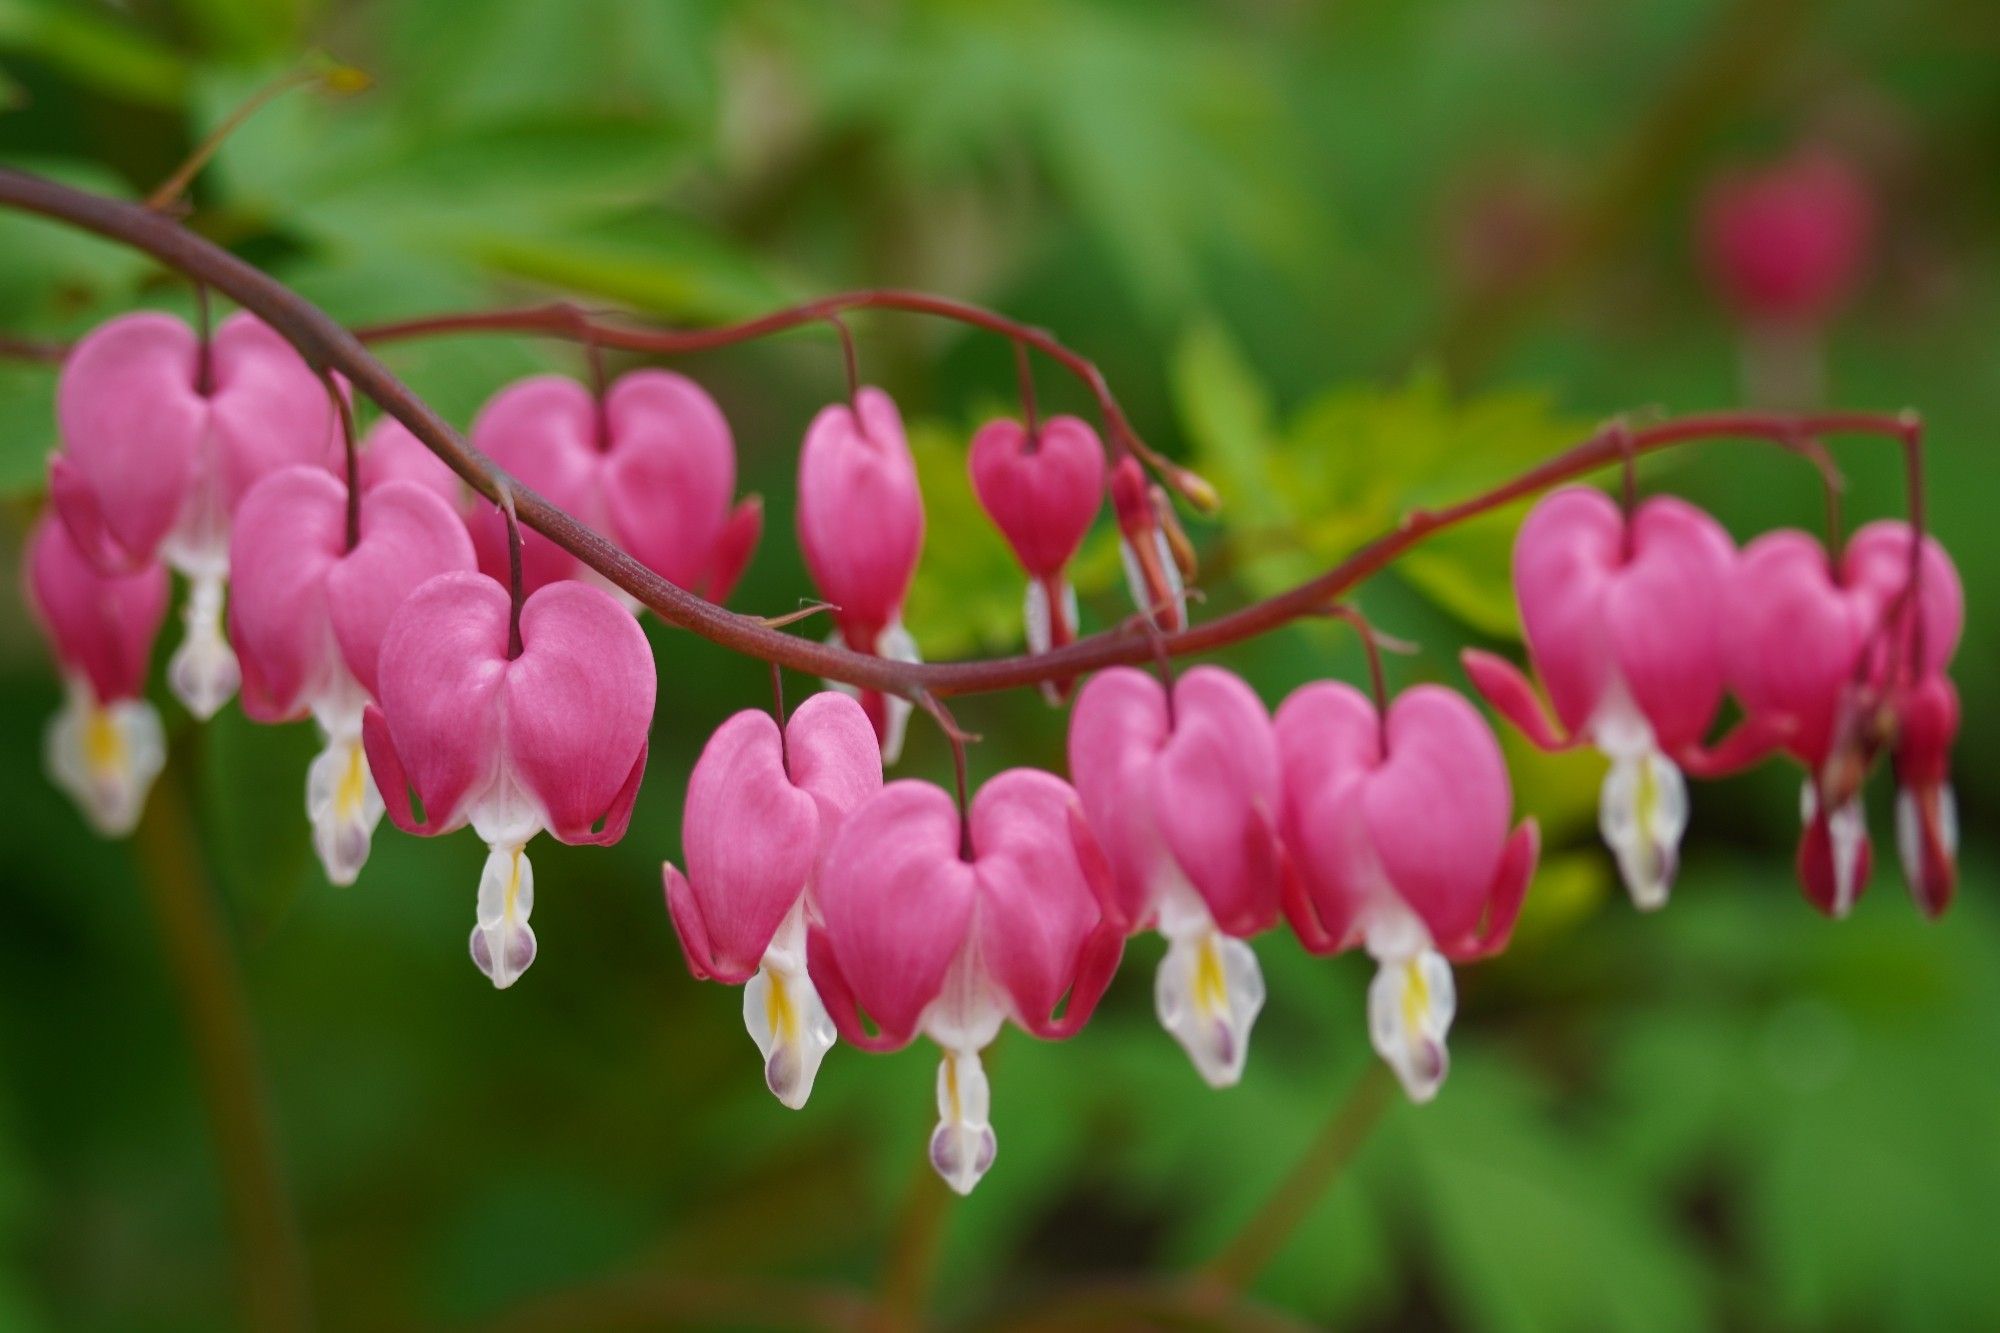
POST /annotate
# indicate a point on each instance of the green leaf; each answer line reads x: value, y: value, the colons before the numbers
x: 110, y: 55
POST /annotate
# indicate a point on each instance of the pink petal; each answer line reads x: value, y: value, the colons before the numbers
x: 408, y: 536
x: 289, y: 532
x: 1791, y: 638
x: 438, y: 728
x: 269, y: 410
x: 1329, y: 746
x: 751, y: 838
x: 896, y: 902
x: 102, y: 626
x: 132, y: 431
x: 860, y: 512
x: 1042, y: 494
x: 390, y: 453
x: 832, y: 756
x: 1036, y: 905
x: 1116, y: 730
x: 669, y: 474
x: 1216, y: 798
x: 1786, y: 244
x: 733, y: 549
x: 1437, y: 808
x: 579, y: 702
x: 1512, y: 695
x: 1876, y: 565
x: 1661, y: 622
x: 543, y: 431
x: 1504, y: 898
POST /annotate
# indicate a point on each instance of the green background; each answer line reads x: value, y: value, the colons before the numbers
x: 1348, y: 260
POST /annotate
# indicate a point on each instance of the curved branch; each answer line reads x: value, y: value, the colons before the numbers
x: 326, y: 345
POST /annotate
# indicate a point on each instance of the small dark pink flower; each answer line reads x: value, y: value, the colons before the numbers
x: 952, y: 931
x: 1621, y: 622
x: 1831, y: 656
x: 1926, y: 809
x: 551, y: 738
x: 1397, y: 839
x: 861, y: 529
x: 761, y: 808
x: 1043, y: 492
x: 1151, y: 572
x: 160, y: 440
x: 1183, y: 794
x: 106, y: 745
x: 652, y: 467
x: 307, y: 616
x: 1785, y: 245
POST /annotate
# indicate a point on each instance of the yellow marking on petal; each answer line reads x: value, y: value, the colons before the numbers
x: 513, y: 884
x: 1211, y: 984
x: 1416, y: 995
x: 103, y: 746
x: 951, y: 1088
x: 778, y: 1010
x: 353, y: 783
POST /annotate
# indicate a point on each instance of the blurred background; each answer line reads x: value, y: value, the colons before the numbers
x: 1347, y: 259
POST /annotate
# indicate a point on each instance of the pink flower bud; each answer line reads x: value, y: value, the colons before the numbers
x: 1398, y: 840
x: 861, y: 529
x: 761, y: 808
x: 928, y: 932
x: 1042, y: 492
x: 105, y: 746
x: 652, y: 468
x: 1621, y: 624
x: 1926, y: 808
x: 1827, y: 656
x: 1184, y: 796
x: 1786, y: 245
x: 307, y: 616
x: 161, y: 439
x: 553, y: 739
x: 1152, y: 570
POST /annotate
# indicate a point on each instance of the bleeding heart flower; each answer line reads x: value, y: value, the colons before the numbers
x: 1786, y: 244
x: 308, y: 615
x: 1831, y: 658
x: 861, y: 529
x: 105, y: 746
x: 1043, y: 491
x: 161, y: 438
x: 930, y: 927
x: 1926, y: 809
x: 1397, y: 839
x: 1621, y: 624
x: 391, y: 453
x: 652, y: 467
x: 550, y: 735
x: 1183, y: 794
x: 761, y: 808
x: 1152, y: 564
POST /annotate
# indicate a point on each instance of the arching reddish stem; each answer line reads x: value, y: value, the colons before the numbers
x: 326, y: 345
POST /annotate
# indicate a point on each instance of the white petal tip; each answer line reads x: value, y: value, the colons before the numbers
x: 791, y: 1027
x: 1208, y: 993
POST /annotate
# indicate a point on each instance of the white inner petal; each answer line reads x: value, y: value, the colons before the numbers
x: 1847, y: 826
x: 1642, y: 810
x: 1411, y: 1002
x: 503, y: 943
x: 1207, y: 992
x: 1154, y: 602
x: 962, y: 1146
x: 203, y: 673
x: 343, y: 805
x: 1910, y: 828
x: 782, y: 1010
x: 105, y: 756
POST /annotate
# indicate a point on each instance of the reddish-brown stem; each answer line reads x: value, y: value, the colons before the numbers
x: 1024, y: 375
x: 204, y: 356
x: 326, y: 345
x: 344, y: 411
x: 1378, y: 683
x: 850, y: 366
x: 514, y: 593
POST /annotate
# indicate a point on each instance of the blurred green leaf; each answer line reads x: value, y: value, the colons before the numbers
x: 110, y: 55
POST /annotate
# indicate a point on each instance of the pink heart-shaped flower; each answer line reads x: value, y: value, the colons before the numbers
x: 1042, y: 491
x: 101, y: 626
x: 860, y: 513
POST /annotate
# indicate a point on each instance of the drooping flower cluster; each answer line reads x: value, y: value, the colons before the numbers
x: 1637, y: 624
x: 463, y: 672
